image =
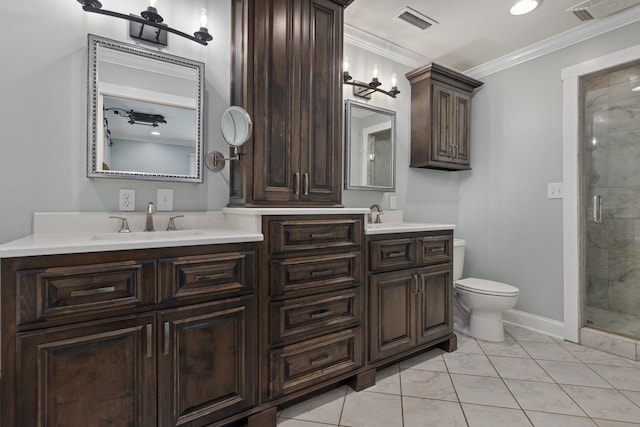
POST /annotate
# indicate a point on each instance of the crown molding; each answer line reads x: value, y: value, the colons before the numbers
x: 576, y: 35
x: 382, y: 47
x: 359, y: 38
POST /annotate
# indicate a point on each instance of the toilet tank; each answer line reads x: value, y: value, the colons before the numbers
x: 458, y: 258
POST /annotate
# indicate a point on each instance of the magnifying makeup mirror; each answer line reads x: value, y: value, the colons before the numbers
x: 236, y: 127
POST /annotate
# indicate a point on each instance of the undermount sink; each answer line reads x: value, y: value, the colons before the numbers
x: 148, y: 235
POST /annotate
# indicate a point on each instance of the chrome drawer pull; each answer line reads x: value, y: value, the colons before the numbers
x: 396, y: 254
x: 434, y: 250
x: 321, y: 235
x: 105, y: 290
x: 296, y: 183
x: 149, y: 340
x: 210, y: 277
x: 306, y: 184
x: 322, y: 273
x: 166, y: 338
x: 321, y: 314
x: 322, y: 360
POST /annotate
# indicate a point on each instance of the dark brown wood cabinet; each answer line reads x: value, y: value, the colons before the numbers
x: 440, y: 117
x: 158, y: 337
x: 286, y: 72
x: 410, y: 294
x: 312, y: 332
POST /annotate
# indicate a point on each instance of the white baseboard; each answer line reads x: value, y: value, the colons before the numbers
x: 534, y: 322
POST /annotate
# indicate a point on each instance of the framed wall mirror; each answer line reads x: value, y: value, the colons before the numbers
x: 144, y: 114
x: 370, y: 145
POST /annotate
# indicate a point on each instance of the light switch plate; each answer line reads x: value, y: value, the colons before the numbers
x: 165, y: 199
x: 127, y: 200
x: 555, y: 190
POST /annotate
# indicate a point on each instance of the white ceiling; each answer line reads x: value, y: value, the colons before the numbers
x: 469, y: 32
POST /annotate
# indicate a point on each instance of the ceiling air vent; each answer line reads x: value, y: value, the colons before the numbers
x: 416, y: 18
x: 592, y: 9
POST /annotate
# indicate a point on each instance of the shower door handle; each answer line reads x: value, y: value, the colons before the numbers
x: 597, y: 208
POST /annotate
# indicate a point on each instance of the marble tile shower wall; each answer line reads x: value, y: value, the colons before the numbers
x: 611, y: 169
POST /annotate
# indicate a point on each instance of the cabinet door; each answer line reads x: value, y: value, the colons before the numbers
x: 462, y: 126
x: 276, y: 63
x: 442, y: 143
x: 93, y: 374
x: 206, y: 361
x: 392, y: 317
x: 434, y: 304
x: 320, y: 101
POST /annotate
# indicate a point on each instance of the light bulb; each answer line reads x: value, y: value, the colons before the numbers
x: 523, y: 6
x: 203, y: 18
x: 345, y: 64
x: 394, y: 80
x: 152, y: 3
x: 375, y: 71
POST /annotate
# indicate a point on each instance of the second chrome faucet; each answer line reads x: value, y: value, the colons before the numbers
x: 148, y: 225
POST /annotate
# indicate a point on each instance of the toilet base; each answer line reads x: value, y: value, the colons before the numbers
x: 486, y: 326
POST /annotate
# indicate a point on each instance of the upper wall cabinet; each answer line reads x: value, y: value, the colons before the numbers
x: 286, y: 69
x: 440, y: 117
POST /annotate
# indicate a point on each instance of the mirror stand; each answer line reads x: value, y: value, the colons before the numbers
x: 215, y: 160
x: 236, y: 127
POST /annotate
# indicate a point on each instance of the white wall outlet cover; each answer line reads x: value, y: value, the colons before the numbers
x: 127, y: 200
x: 555, y: 190
x: 165, y: 199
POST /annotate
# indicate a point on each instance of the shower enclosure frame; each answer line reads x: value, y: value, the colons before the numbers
x: 574, y: 298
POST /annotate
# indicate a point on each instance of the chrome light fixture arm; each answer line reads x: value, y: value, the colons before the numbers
x: 364, y: 90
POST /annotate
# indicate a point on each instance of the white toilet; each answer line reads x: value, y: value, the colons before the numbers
x: 478, y: 304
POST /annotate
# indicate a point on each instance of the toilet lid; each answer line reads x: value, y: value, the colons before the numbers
x: 486, y: 287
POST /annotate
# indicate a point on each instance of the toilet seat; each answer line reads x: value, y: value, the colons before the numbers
x: 486, y: 287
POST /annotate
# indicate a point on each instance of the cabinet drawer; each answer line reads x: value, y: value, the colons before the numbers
x: 298, y: 317
x: 392, y: 253
x: 293, y: 276
x: 309, y: 234
x: 435, y: 249
x: 221, y: 274
x: 309, y: 362
x: 76, y: 290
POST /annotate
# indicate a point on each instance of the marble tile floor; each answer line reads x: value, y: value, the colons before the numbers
x: 530, y: 379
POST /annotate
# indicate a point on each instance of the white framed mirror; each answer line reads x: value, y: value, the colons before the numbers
x: 144, y: 113
x: 370, y: 145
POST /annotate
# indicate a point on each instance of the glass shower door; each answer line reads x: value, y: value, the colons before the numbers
x: 610, y: 190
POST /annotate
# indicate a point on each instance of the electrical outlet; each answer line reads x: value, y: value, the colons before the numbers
x: 165, y: 199
x: 127, y: 200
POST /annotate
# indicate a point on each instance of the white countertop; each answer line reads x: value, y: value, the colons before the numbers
x: 405, y: 227
x: 81, y: 232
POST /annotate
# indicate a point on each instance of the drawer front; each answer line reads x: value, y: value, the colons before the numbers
x: 310, y: 362
x: 392, y: 253
x: 286, y: 236
x: 79, y: 290
x: 223, y: 274
x: 304, y: 317
x: 435, y: 249
x: 301, y: 275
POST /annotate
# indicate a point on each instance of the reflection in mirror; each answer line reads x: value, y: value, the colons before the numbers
x: 370, y: 147
x: 145, y: 111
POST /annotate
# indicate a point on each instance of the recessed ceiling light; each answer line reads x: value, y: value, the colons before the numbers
x: 524, y: 6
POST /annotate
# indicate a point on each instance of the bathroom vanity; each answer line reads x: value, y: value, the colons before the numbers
x: 214, y: 325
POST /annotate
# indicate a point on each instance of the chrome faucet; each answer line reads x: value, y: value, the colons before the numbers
x: 378, y: 220
x: 149, y: 223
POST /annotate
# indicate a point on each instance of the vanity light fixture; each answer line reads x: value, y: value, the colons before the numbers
x: 364, y: 90
x: 149, y: 26
x: 523, y: 7
x: 137, y: 118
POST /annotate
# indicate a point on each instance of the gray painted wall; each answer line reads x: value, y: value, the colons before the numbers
x: 513, y: 232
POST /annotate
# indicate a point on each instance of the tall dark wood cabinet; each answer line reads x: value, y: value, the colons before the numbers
x: 286, y: 72
x: 440, y: 117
